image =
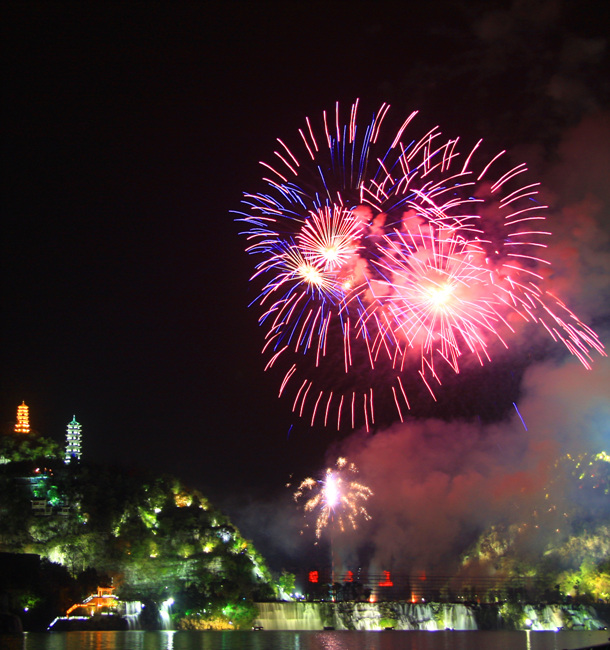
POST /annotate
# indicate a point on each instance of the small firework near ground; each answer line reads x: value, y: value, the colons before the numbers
x: 338, y: 497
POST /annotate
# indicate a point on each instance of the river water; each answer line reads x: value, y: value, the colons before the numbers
x: 308, y: 640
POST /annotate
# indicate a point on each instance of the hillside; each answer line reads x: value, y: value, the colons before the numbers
x: 149, y: 536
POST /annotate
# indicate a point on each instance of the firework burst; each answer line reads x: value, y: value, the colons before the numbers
x: 384, y: 258
x: 435, y: 295
x: 338, y: 497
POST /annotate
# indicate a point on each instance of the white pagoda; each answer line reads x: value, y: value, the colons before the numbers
x: 73, y: 440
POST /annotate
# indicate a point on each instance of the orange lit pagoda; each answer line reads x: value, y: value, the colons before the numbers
x: 92, y: 605
x: 23, y: 419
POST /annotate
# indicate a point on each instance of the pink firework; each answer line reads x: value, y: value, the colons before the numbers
x: 386, y: 258
x: 436, y: 297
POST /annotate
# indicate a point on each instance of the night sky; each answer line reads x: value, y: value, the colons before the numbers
x: 131, y: 131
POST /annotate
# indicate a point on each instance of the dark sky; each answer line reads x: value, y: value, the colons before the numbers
x: 130, y: 132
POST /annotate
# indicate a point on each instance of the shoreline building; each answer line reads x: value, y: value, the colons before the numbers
x: 23, y: 419
x: 73, y: 441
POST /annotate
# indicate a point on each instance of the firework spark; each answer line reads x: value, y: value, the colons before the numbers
x: 337, y: 498
x: 397, y: 254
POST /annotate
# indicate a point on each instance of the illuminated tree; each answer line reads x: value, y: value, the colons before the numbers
x: 286, y: 583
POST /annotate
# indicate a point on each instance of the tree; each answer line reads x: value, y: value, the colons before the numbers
x: 286, y: 583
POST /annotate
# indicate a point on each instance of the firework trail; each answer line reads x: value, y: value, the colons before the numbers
x: 386, y: 259
x: 338, y: 497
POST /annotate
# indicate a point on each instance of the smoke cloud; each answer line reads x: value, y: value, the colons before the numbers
x: 439, y: 485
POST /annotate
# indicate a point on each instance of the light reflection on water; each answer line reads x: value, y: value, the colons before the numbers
x: 282, y: 640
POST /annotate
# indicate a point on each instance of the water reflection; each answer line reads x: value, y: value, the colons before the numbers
x: 304, y: 640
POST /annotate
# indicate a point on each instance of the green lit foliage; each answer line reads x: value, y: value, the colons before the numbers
x: 597, y: 581
x: 39, y: 485
x: 578, y: 564
x: 385, y: 623
x: 562, y: 537
x: 589, y: 583
x: 151, y: 535
x: 513, y: 615
x: 237, y: 615
x: 208, y: 622
x: 148, y: 518
x: 54, y: 496
x: 285, y: 583
x: 19, y: 448
x: 241, y: 614
x: 29, y: 600
x: 154, y: 536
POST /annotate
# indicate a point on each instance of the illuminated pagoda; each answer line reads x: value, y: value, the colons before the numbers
x: 73, y: 440
x: 23, y: 419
